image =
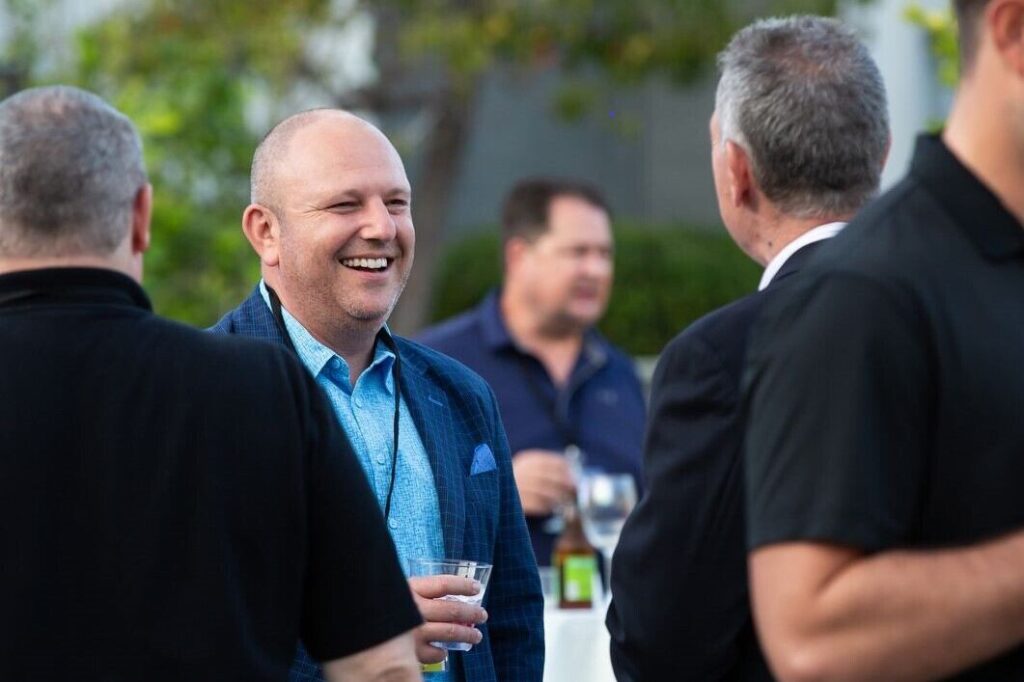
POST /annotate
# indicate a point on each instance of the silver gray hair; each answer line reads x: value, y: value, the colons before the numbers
x: 70, y: 168
x: 805, y: 100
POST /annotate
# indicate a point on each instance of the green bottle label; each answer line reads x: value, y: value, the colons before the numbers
x: 578, y: 578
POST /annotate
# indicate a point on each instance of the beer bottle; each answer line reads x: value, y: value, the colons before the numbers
x: 575, y: 563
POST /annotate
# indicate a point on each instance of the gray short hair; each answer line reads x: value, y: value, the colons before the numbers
x: 70, y: 168
x: 804, y: 98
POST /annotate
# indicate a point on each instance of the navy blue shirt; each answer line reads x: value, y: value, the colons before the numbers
x: 600, y: 409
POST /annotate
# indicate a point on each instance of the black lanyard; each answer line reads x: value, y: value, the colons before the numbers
x: 275, y: 307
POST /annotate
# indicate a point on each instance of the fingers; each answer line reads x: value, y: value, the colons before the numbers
x: 448, y: 619
x: 444, y: 632
x: 437, y: 586
x: 450, y: 611
x: 539, y: 503
x: 544, y: 480
x: 425, y: 653
x: 542, y: 465
x: 438, y: 599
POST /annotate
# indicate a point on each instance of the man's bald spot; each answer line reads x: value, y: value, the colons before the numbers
x: 273, y: 150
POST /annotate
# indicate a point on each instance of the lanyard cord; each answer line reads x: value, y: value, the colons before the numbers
x: 396, y: 370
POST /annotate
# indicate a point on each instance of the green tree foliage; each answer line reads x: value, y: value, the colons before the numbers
x: 599, y: 44
x: 21, y: 50
x: 666, y: 278
x: 191, y: 73
x: 940, y: 25
x: 185, y: 72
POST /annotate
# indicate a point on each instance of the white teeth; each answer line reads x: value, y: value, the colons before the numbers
x: 367, y: 263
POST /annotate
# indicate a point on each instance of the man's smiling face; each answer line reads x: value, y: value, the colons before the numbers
x: 346, y: 232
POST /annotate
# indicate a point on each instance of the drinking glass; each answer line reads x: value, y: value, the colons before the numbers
x: 475, y: 570
x: 548, y: 585
x: 605, y: 500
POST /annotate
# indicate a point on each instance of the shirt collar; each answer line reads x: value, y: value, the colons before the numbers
x: 316, y: 356
x: 495, y: 332
x: 497, y: 336
x: 817, y: 234
x: 100, y: 285
x: 973, y: 206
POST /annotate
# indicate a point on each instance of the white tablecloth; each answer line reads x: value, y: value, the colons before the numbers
x: 576, y: 644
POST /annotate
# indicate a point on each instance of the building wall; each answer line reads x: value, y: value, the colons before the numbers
x: 662, y: 174
x: 659, y: 174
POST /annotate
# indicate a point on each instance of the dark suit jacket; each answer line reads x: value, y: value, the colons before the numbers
x: 481, y: 518
x: 680, y: 609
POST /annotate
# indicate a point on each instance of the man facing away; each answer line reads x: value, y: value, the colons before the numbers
x: 885, y: 432
x: 331, y: 221
x: 176, y: 506
x: 559, y: 383
x: 799, y: 137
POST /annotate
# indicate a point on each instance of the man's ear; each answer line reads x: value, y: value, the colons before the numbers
x: 513, y: 251
x: 1005, y: 22
x: 740, y: 175
x: 142, y: 213
x: 263, y: 231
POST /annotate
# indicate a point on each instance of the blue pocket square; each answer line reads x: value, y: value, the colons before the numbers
x: 483, y: 460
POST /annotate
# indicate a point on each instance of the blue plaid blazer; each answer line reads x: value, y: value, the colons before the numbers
x: 455, y: 412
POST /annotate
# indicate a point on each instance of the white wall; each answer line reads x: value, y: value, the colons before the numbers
x: 916, y: 99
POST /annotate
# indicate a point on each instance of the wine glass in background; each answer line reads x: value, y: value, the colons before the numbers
x: 605, y: 500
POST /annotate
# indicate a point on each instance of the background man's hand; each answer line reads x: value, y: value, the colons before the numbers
x: 544, y: 480
x: 446, y: 621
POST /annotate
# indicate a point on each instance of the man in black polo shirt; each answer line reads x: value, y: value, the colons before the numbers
x: 790, y: 88
x: 885, y: 448
x: 175, y: 505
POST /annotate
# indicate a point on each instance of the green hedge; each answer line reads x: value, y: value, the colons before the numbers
x: 665, y: 278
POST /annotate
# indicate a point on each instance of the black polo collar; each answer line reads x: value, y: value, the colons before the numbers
x: 971, y: 204
x: 70, y: 285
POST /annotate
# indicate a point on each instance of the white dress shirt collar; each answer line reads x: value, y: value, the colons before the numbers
x: 809, y: 237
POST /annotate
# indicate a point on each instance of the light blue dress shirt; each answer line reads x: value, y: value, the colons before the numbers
x: 366, y: 412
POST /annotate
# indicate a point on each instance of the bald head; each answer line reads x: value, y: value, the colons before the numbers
x: 331, y: 221
x: 272, y: 153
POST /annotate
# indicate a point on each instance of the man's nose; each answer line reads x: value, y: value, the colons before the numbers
x: 379, y: 224
x: 597, y: 264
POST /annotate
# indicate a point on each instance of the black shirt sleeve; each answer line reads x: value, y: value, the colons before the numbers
x: 838, y: 394
x: 356, y: 595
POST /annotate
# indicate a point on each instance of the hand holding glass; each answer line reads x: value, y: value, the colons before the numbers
x: 474, y: 570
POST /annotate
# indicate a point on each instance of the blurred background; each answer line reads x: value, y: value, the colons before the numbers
x: 475, y: 94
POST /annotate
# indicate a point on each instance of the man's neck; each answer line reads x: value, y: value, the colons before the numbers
x: 355, y: 348
x: 558, y: 352
x: 983, y: 133
x: 784, y: 231
x: 353, y: 343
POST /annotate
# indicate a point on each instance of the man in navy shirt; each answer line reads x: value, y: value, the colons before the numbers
x: 560, y: 384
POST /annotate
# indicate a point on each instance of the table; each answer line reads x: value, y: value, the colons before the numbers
x: 576, y: 644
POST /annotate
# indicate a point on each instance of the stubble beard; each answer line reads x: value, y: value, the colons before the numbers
x: 372, y: 316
